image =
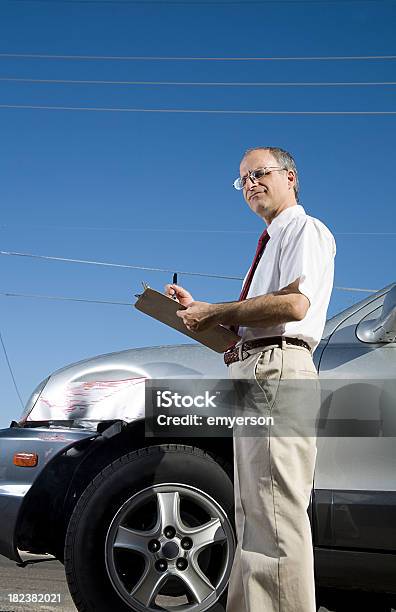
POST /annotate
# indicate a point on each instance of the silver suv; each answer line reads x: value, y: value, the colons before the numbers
x: 143, y: 523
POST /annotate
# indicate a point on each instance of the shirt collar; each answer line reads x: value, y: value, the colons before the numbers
x: 284, y: 218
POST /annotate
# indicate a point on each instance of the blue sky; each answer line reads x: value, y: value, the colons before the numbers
x: 155, y: 189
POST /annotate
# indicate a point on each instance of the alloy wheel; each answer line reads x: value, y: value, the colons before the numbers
x: 170, y: 547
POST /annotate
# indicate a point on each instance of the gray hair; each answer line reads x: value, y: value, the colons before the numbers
x: 284, y: 158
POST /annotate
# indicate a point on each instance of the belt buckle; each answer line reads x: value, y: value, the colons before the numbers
x: 242, y: 354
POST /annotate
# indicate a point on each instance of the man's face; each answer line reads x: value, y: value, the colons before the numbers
x: 269, y: 195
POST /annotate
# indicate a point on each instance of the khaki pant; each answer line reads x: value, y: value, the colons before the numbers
x: 273, y: 567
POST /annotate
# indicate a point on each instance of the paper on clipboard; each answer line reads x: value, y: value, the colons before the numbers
x: 163, y: 308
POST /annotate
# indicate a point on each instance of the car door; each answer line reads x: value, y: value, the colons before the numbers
x: 355, y: 477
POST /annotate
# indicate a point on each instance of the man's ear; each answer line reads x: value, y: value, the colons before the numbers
x: 291, y: 177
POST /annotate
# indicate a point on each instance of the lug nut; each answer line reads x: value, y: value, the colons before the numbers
x: 169, y: 532
x: 186, y: 543
x: 181, y: 564
x: 161, y: 565
x: 154, y: 546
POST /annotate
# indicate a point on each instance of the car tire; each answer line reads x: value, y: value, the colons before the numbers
x: 156, y: 523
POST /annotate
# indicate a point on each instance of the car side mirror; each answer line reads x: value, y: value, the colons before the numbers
x: 382, y: 329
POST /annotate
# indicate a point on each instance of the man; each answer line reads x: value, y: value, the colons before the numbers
x: 280, y: 317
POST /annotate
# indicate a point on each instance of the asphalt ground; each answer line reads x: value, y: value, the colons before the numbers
x: 44, y: 579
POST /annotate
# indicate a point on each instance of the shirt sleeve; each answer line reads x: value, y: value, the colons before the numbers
x: 307, y: 253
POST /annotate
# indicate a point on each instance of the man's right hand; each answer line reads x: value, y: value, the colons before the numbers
x: 182, y: 295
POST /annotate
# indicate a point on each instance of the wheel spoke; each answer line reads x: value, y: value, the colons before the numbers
x: 199, y: 585
x: 127, y: 533
x: 148, y: 586
x: 168, y: 510
x: 207, y: 534
x: 133, y: 540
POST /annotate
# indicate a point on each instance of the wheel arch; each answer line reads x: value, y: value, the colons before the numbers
x: 47, y: 510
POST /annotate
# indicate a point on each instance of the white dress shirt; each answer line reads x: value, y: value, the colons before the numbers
x: 300, y: 247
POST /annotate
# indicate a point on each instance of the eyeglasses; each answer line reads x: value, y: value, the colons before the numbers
x: 254, y: 175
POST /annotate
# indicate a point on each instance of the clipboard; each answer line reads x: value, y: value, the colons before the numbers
x: 164, y: 308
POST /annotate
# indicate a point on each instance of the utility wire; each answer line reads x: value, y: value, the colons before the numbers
x: 10, y: 369
x: 111, y: 302
x: 365, y: 233
x: 204, y: 2
x: 359, y: 289
x: 107, y: 302
x: 190, y: 111
x: 115, y: 265
x: 173, y: 271
x: 198, y: 83
x: 63, y: 298
x: 168, y: 230
x: 130, y: 229
x: 156, y: 58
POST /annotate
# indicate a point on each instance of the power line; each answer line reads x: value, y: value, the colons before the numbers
x: 156, y: 58
x: 205, y: 2
x: 169, y: 230
x: 359, y: 289
x: 199, y: 83
x: 63, y: 298
x: 147, y: 269
x: 115, y: 265
x: 192, y: 111
x: 115, y: 303
x: 10, y: 369
x: 130, y: 229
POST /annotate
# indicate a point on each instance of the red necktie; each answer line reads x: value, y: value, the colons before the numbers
x: 259, y: 251
x: 246, y: 285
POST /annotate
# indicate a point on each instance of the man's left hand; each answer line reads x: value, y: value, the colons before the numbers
x: 198, y: 316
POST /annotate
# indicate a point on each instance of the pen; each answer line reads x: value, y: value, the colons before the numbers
x: 174, y: 282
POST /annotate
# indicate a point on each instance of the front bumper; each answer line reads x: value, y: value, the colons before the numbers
x: 15, y: 482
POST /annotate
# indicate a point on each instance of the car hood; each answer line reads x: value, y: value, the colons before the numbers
x: 112, y: 386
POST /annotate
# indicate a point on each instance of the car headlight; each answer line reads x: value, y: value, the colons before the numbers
x: 33, y: 399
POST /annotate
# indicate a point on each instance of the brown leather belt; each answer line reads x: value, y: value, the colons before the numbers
x: 233, y: 354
